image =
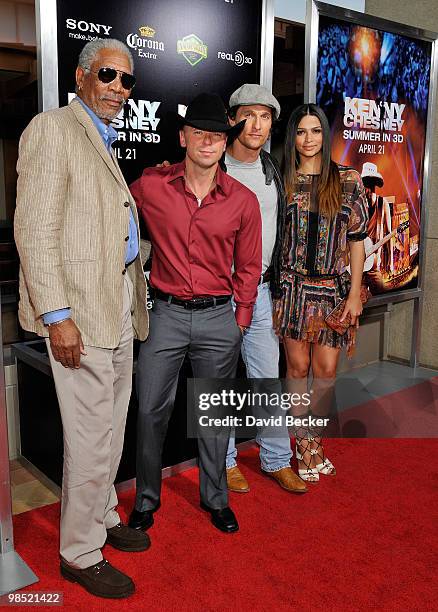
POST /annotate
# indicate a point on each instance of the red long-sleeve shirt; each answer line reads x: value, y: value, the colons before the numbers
x: 195, y: 246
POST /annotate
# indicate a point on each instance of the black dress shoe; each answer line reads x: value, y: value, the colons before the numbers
x: 127, y: 539
x: 101, y: 579
x: 141, y: 520
x: 223, y: 519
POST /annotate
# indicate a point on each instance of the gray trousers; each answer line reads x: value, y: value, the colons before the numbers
x: 211, y: 338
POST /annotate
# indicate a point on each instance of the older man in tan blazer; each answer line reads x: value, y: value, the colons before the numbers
x: 82, y: 287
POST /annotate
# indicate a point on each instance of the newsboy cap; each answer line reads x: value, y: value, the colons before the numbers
x: 251, y: 93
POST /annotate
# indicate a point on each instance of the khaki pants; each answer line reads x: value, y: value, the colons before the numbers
x: 94, y: 403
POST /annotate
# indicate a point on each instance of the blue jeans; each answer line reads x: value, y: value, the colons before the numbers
x: 260, y: 353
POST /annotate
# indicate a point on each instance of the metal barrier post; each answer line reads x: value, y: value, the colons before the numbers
x: 14, y: 573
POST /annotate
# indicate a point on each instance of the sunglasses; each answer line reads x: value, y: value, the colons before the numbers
x: 108, y: 75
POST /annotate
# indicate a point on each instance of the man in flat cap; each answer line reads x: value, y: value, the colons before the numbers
x: 249, y: 163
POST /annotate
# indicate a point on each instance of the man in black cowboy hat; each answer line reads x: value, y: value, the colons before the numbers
x: 200, y: 222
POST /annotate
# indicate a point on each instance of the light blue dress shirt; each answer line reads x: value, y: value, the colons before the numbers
x: 109, y: 136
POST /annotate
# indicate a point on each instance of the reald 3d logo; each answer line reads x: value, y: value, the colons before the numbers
x: 192, y: 49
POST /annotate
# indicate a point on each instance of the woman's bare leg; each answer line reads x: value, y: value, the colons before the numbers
x: 298, y: 363
x: 324, y: 365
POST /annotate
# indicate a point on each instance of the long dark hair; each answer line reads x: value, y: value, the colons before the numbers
x: 329, y: 183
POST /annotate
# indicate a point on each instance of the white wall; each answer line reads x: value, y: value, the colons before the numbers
x: 295, y: 10
x: 17, y: 22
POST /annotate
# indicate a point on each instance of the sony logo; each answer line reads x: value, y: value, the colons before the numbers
x: 84, y: 26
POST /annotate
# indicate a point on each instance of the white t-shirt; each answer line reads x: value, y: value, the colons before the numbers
x: 251, y: 175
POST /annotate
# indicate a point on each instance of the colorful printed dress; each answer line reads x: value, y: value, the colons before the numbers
x: 314, y: 260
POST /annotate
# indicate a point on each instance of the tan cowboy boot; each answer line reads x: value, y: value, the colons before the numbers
x: 288, y: 480
x: 236, y: 481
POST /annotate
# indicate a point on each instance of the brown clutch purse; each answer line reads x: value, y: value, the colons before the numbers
x: 333, y: 319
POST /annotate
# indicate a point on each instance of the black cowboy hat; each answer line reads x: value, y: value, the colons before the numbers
x: 207, y: 112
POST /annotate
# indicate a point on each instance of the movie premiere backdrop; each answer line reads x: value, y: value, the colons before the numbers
x: 374, y: 87
x: 180, y: 48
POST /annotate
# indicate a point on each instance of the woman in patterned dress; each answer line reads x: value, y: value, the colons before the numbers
x: 326, y: 224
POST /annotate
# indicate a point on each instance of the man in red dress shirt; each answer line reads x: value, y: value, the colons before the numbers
x: 201, y: 222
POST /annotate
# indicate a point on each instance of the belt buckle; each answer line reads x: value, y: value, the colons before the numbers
x: 199, y: 303
x: 189, y: 304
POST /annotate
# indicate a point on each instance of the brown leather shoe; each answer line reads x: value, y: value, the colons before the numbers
x: 101, y: 579
x: 127, y: 539
x: 288, y: 480
x: 236, y: 481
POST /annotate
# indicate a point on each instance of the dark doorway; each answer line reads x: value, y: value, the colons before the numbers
x: 288, y: 77
x: 18, y: 104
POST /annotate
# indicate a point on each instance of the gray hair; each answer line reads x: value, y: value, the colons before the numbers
x: 92, y: 48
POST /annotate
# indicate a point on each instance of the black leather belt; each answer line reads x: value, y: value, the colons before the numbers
x: 196, y: 303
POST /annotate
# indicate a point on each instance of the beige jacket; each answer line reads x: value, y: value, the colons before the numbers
x: 71, y: 225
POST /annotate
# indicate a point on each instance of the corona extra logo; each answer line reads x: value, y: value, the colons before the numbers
x: 145, y: 44
x: 147, y: 31
x: 192, y: 49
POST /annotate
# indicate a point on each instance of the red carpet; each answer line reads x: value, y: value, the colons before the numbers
x: 363, y: 540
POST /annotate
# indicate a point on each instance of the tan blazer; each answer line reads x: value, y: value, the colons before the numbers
x: 71, y: 225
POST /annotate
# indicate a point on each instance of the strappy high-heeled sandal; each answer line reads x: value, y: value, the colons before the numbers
x: 326, y: 467
x: 309, y: 474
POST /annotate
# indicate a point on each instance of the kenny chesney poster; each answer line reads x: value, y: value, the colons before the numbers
x: 374, y: 87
